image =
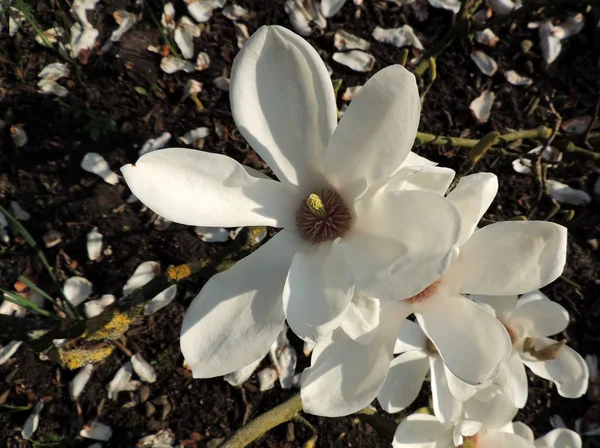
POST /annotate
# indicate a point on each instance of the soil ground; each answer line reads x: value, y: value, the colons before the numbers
x: 104, y: 113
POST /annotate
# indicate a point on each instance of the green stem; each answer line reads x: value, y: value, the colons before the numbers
x: 285, y: 412
x: 537, y: 133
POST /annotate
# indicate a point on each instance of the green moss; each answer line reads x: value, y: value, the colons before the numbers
x: 164, y: 360
x: 52, y: 440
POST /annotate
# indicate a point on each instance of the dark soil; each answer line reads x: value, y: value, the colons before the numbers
x: 45, y: 178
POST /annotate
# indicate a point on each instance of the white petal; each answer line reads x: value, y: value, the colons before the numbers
x: 143, y: 369
x: 376, y: 133
x: 197, y: 188
x: 31, y: 424
x: 568, y: 371
x: 78, y: 383
x: 486, y: 37
x: 343, y: 40
x: 494, y: 413
x: 422, y: 431
x: 572, y: 25
x: 284, y: 358
x: 567, y: 195
x: 559, y: 438
x: 523, y: 431
x: 507, y: 258
x: 516, y: 389
x: 283, y: 104
x: 540, y: 318
x: 194, y: 135
x: 122, y: 381
x: 266, y: 378
x: 8, y: 351
x: 410, y: 337
x: 396, y: 231
x: 317, y: 292
x: 82, y: 40
x: 95, y: 163
x: 18, y: 135
x: 241, y: 32
x: 77, y: 290
x: 472, y: 197
x: 399, y: 37
x: 459, y: 389
x: 298, y: 18
x: 94, y: 244
x: 502, y: 7
x: 168, y: 17
x: 126, y: 20
x: 550, y: 43
x: 239, y: 313
x: 242, y: 375
x: 484, y: 62
x: 145, y: 272
x: 95, y: 307
x: 482, y: 106
x: 433, y: 179
x: 445, y: 406
x: 465, y: 428
x: 328, y: 390
x: 184, y: 36
x: 330, y: 7
x: 202, y: 63
x: 96, y: 431
x: 159, y: 142
x: 517, y: 80
x: 497, y: 439
x: 404, y: 381
x: 484, y: 341
x: 362, y: 316
x: 235, y: 12
x: 171, y: 64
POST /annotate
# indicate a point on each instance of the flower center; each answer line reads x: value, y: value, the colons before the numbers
x: 469, y: 442
x: 431, y: 348
x: 322, y: 217
x: 425, y: 294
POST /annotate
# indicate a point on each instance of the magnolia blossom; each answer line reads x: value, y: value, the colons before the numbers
x: 424, y: 431
x: 529, y: 320
x: 468, y: 341
x: 352, y: 216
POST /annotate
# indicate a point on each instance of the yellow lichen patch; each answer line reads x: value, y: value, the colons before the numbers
x: 179, y: 272
x: 113, y: 329
x: 78, y: 357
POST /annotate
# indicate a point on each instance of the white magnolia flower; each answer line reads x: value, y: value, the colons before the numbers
x: 557, y: 438
x: 346, y: 223
x: 501, y: 259
x: 529, y: 321
x: 425, y: 431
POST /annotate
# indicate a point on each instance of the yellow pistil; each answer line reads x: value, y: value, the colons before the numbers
x: 179, y: 272
x: 316, y: 206
x: 469, y: 442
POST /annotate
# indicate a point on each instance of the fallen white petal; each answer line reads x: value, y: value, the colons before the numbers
x: 143, y: 369
x: 94, y: 244
x: 93, y: 308
x: 242, y: 375
x: 571, y: 26
x: 51, y: 34
x: 126, y: 20
x: 356, y: 60
x: 284, y: 357
x: 202, y: 61
x: 486, y: 37
x: 82, y: 40
x: 482, y: 106
x: 399, y: 37
x: 122, y: 382
x: 550, y: 43
x: 94, y: 163
x: 77, y: 385
x: 235, y: 12
x: 18, y: 212
x: 549, y: 154
x: 298, y: 17
x: 222, y: 82
x: 32, y: 422
x: 96, y: 431
x: 172, y: 64
x: 54, y: 71
x: 242, y: 34
x: 77, y: 290
x: 502, y: 7
x: 452, y: 5
x: 184, y: 36
x: 343, y: 40
x: 517, y: 80
x: 168, y: 17
x: 350, y: 93
x: 567, y: 195
x: 201, y: 10
x: 153, y: 144
x: 162, y: 439
x: 143, y: 274
x: 8, y: 351
x: 15, y: 20
x: 51, y: 87
x: 212, y: 234
x: 4, y: 237
x: 18, y: 135
x: 266, y: 378
x: 194, y: 135
x: 79, y: 10
x: 485, y: 63
x: 161, y: 300
x: 191, y: 87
